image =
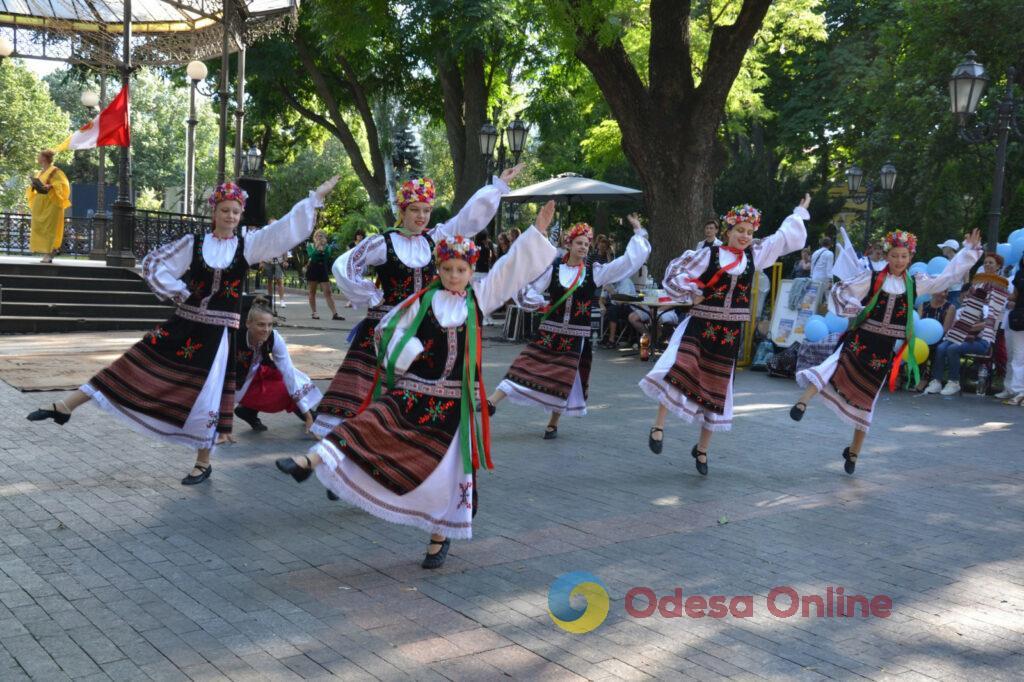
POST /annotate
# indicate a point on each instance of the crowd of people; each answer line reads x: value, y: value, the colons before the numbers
x: 404, y: 426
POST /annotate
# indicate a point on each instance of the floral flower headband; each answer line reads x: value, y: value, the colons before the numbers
x: 228, y: 191
x: 456, y: 247
x: 416, y: 190
x: 744, y: 213
x: 898, y: 238
x: 579, y: 230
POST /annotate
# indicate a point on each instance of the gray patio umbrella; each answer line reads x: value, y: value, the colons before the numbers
x: 569, y: 189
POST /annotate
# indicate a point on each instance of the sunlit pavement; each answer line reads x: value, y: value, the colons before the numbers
x: 110, y: 568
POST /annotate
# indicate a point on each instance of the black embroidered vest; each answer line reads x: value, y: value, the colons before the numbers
x: 215, y: 294
x: 397, y: 280
x: 728, y: 299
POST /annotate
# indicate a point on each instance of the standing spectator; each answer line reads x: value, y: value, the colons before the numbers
x: 321, y: 255
x: 974, y: 330
x: 711, y: 229
x: 483, y: 266
x: 822, y: 261
x: 949, y: 249
x: 503, y: 244
x: 802, y: 268
x: 1013, y: 326
x: 273, y: 271
x: 48, y: 196
x: 602, y: 251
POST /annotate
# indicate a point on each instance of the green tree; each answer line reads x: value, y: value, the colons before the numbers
x: 29, y: 122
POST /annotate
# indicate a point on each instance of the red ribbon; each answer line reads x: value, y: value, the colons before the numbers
x: 718, y: 275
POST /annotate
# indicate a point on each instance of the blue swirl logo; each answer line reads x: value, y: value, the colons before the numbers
x: 578, y: 584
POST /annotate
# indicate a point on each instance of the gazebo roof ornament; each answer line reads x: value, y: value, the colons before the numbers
x: 164, y: 32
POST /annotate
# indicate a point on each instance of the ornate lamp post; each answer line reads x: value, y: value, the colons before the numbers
x: 121, y: 253
x: 966, y: 86
x: 197, y: 72
x: 854, y: 181
x: 515, y: 135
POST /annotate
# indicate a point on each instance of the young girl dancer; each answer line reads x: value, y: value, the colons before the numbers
x: 694, y: 377
x: 404, y: 264
x: 270, y: 382
x: 411, y: 456
x: 879, y: 336
x: 178, y: 383
x: 553, y: 372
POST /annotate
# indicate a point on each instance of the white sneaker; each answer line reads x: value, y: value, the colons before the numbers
x: 1003, y: 394
x: 934, y: 386
x: 282, y: 304
x: 951, y: 388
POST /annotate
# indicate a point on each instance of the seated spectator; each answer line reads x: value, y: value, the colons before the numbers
x: 802, y: 268
x: 938, y: 308
x: 974, y: 329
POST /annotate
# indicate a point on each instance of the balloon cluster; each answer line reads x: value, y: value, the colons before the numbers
x: 817, y: 327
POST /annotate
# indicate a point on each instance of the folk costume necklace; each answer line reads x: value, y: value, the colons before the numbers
x: 906, y: 349
x: 474, y: 439
x: 577, y: 280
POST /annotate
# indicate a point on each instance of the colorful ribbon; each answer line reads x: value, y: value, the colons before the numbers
x: 568, y: 292
x: 718, y: 275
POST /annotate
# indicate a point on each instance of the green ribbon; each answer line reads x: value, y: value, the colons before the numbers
x: 568, y: 292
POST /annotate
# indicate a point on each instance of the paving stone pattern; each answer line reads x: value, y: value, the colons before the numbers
x: 109, y: 569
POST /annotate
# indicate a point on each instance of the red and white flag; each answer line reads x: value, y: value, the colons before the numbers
x: 108, y: 129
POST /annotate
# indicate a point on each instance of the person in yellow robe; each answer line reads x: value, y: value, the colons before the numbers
x: 48, y: 196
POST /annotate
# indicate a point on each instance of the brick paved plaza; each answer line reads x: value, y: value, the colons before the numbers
x: 109, y: 569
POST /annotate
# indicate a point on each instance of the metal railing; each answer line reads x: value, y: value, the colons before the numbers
x: 153, y: 229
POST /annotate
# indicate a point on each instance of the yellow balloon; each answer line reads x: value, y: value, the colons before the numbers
x: 920, y: 351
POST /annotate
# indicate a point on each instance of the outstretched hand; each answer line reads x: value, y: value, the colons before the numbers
x: 510, y: 174
x: 634, y: 220
x: 544, y: 217
x: 806, y: 201
x: 973, y: 239
x: 325, y: 189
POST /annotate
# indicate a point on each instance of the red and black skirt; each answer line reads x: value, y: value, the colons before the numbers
x: 354, y: 379
x: 550, y: 363
x: 705, y: 362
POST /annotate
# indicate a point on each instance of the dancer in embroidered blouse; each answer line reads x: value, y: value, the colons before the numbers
x: 270, y: 382
x: 178, y: 383
x: 410, y: 457
x: 694, y: 377
x: 882, y: 329
x: 404, y: 265
x: 553, y: 372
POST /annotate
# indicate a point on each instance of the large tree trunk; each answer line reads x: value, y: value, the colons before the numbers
x: 465, y: 93
x: 669, y: 126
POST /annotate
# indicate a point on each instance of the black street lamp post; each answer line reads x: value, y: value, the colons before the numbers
x: 197, y: 72
x: 854, y: 180
x: 515, y: 135
x: 121, y: 253
x: 966, y: 87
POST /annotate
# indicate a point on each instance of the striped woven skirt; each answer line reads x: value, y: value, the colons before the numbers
x: 352, y: 382
x: 552, y: 372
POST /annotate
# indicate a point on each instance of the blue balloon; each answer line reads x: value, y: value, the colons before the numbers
x: 917, y: 318
x: 918, y: 268
x: 937, y: 265
x: 1016, y: 250
x: 1004, y: 251
x: 1019, y: 232
x: 928, y: 330
x: 836, y: 324
x: 815, y: 330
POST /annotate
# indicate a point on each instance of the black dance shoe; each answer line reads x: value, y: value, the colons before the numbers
x: 56, y: 415
x: 551, y: 432
x: 204, y: 473
x: 332, y: 497
x: 656, y: 445
x: 702, y: 467
x: 796, y: 413
x: 851, y: 461
x: 250, y: 417
x: 289, y: 466
x: 437, y: 560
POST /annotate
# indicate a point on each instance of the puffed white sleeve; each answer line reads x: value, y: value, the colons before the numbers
x: 848, y: 294
x: 680, y: 271
x: 848, y: 265
x: 533, y: 295
x: 528, y: 257
x: 791, y: 236
x: 413, y: 348
x: 163, y: 269
x: 301, y: 388
x: 350, y: 268
x: 283, y: 234
x: 475, y: 214
x: 954, y: 272
x: 637, y: 250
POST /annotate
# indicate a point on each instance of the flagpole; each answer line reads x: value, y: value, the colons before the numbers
x: 99, y: 218
x: 123, y: 211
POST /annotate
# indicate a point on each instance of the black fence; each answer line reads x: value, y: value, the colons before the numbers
x: 83, y: 236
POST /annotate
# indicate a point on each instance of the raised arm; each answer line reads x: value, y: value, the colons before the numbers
x: 285, y: 233
x: 637, y: 251
x: 955, y: 270
x: 163, y: 269
x: 529, y: 256
x: 350, y: 270
x: 847, y: 294
x: 791, y: 236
